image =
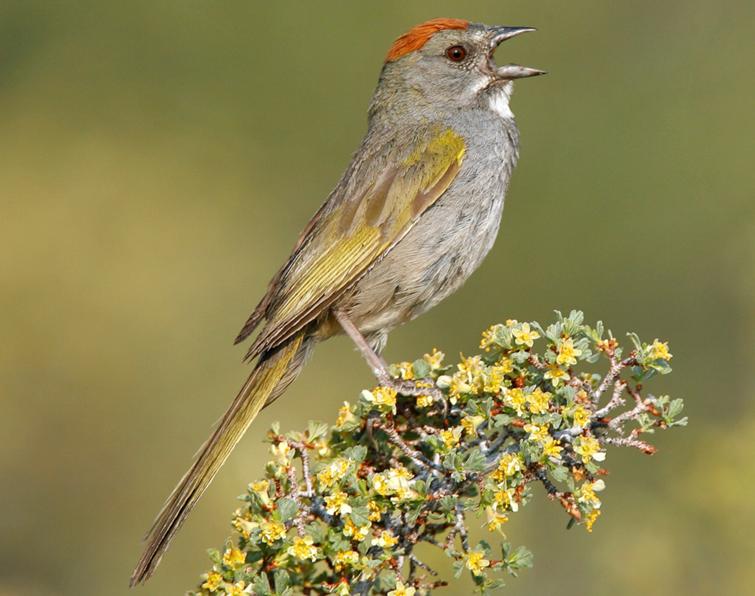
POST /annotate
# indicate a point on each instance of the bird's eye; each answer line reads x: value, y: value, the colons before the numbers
x: 456, y: 53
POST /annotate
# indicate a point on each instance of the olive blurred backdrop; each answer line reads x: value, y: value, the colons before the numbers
x: 157, y: 161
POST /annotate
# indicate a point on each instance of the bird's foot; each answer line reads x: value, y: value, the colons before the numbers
x: 414, y: 388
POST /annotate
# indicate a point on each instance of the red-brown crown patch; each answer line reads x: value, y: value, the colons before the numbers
x: 417, y: 36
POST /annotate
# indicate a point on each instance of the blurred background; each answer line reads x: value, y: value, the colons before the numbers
x: 157, y: 161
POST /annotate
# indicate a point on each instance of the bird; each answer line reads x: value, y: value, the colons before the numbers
x: 414, y: 214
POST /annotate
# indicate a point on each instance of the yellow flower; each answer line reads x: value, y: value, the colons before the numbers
x: 567, y: 353
x: 540, y: 433
x: 345, y: 415
x: 506, y: 365
x: 243, y: 525
x: 281, y: 453
x: 476, y: 562
x: 333, y: 472
x: 272, y: 531
x: 556, y: 375
x: 396, y: 481
x: 351, y: 530
x: 471, y: 365
x: 506, y: 498
x: 385, y: 539
x: 346, y: 558
x: 236, y: 589
x: 303, y: 548
x: 213, y: 581
x: 234, y: 558
x: 260, y: 489
x: 495, y: 519
x: 458, y: 385
x: 337, y: 503
x: 581, y: 416
x: 383, y: 397
x: 322, y: 447
x: 493, y: 379
x: 589, y: 449
x: 524, y: 336
x: 591, y: 519
x: 435, y: 359
x: 511, y: 323
x: 515, y: 398
x: 538, y: 401
x: 586, y: 493
x: 470, y: 424
x: 375, y: 511
x: 424, y: 401
x: 451, y: 436
x: 508, y: 466
x: 488, y: 337
x: 402, y: 590
x: 552, y: 448
x: 468, y: 378
x: 405, y: 370
x: 380, y: 485
x: 659, y: 350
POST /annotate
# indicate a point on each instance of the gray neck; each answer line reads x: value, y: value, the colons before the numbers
x: 396, y: 102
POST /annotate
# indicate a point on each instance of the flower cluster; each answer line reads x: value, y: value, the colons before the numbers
x: 342, y: 508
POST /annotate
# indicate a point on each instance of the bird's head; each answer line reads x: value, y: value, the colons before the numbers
x: 449, y: 63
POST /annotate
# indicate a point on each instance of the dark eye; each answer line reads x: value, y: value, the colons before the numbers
x: 456, y: 53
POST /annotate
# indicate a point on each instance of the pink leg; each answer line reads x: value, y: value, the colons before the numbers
x: 376, y: 363
x: 378, y: 366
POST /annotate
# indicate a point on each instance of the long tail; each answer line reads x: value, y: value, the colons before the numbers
x: 272, y: 374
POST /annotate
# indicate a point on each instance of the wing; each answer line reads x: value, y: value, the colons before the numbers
x: 373, y: 207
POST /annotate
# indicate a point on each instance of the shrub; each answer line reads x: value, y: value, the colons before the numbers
x: 341, y: 508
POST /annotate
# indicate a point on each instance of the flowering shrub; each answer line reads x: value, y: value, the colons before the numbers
x: 341, y: 508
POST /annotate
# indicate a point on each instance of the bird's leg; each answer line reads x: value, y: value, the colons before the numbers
x: 376, y: 363
x: 379, y: 367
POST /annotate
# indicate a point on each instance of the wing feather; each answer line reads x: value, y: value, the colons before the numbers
x: 354, y: 231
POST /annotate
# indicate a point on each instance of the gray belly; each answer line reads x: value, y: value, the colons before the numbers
x: 443, y: 248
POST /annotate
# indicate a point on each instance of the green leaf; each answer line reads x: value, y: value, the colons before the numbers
x: 560, y: 473
x: 521, y: 558
x: 356, y: 453
x: 421, y: 368
x: 360, y: 515
x: 475, y: 461
x: 261, y: 585
x: 316, y: 430
x: 282, y: 580
x: 287, y: 508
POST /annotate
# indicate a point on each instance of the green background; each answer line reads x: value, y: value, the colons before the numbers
x: 157, y: 161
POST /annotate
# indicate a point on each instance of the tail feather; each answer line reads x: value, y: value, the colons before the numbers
x: 272, y: 374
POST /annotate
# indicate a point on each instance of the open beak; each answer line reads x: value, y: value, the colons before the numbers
x: 509, y: 71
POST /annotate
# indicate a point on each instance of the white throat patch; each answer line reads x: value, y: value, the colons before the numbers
x: 499, y: 101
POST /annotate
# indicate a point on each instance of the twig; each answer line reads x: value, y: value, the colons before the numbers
x: 616, y: 399
x: 613, y: 372
x: 419, y: 459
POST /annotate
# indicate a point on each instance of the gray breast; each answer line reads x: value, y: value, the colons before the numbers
x: 449, y: 241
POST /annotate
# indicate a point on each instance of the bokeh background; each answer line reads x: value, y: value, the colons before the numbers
x: 157, y: 161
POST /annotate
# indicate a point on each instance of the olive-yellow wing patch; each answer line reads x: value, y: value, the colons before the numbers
x: 356, y: 232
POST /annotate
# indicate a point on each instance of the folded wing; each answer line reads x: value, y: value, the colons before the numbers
x: 367, y: 214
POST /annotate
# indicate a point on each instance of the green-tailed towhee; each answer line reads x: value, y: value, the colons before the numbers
x: 412, y: 217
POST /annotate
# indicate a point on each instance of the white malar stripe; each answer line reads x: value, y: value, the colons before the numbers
x: 499, y: 103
